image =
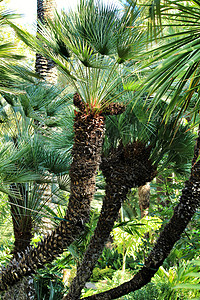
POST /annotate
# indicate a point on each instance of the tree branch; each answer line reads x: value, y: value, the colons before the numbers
x: 183, y: 212
x: 122, y: 171
x: 86, y: 152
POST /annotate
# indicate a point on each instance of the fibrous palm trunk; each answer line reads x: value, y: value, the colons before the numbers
x: 46, y: 69
x: 89, y: 131
x: 22, y: 220
x: 183, y: 212
x: 43, y: 66
x: 23, y: 290
x: 122, y: 172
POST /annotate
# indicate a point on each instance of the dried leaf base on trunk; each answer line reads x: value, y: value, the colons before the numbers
x: 21, y: 218
x: 183, y: 212
x: 89, y: 130
x: 43, y: 66
x: 23, y: 290
x: 121, y: 171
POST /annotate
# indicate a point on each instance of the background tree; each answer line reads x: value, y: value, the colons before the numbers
x: 45, y: 67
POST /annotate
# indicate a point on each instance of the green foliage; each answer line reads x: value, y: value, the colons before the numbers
x: 129, y: 236
x: 100, y: 274
x: 118, y: 278
x: 110, y: 258
x: 175, y: 277
x: 164, y: 284
x: 174, y: 71
x: 48, y: 285
x: 171, y: 144
x: 151, y: 291
x: 5, y: 220
x: 6, y: 231
x: 5, y: 250
x: 29, y: 153
x: 89, y: 46
x: 78, y: 247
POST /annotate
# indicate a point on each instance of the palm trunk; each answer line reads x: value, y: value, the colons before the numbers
x: 89, y: 130
x: 183, y: 212
x: 122, y: 172
x: 23, y: 290
x: 22, y: 227
x: 22, y: 221
x: 144, y: 199
x: 45, y: 67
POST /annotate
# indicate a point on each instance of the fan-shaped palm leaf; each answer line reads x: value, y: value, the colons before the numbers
x: 87, y: 46
x: 174, y: 69
x: 171, y: 144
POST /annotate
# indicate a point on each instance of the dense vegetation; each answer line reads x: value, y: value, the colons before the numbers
x: 99, y: 162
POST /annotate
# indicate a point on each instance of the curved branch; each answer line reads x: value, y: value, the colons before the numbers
x: 89, y: 131
x: 183, y: 212
x: 121, y: 171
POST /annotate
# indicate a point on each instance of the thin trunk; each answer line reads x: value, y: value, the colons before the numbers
x: 43, y: 66
x: 144, y: 199
x: 46, y: 69
x: 122, y: 172
x: 22, y: 220
x: 183, y: 212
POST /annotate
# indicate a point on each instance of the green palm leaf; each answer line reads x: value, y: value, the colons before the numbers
x: 175, y: 73
x: 87, y: 45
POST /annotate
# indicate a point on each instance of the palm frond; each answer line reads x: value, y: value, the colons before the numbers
x: 171, y: 144
x: 174, y: 68
x: 87, y: 45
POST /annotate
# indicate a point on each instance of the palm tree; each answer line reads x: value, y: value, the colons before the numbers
x: 164, y: 77
x: 18, y: 115
x: 40, y: 255
x: 130, y: 161
x: 83, y: 56
x: 183, y: 213
x: 12, y: 74
x: 45, y: 67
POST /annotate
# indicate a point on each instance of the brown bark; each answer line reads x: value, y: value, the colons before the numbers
x: 183, y: 212
x: 43, y: 66
x: 22, y: 226
x: 144, y: 199
x: 89, y: 131
x: 22, y: 220
x: 23, y: 290
x: 121, y: 171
